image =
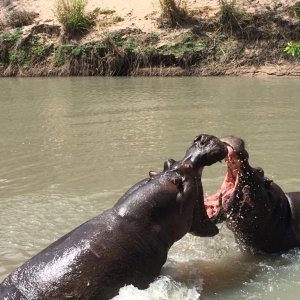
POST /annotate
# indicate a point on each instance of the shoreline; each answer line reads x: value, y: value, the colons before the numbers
x: 202, y: 47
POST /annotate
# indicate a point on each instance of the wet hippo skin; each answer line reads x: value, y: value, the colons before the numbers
x: 128, y: 243
x: 261, y: 216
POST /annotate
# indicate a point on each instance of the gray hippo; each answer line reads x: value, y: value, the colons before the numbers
x: 126, y: 244
x: 261, y: 216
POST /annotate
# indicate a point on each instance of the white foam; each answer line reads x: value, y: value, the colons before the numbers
x: 163, y: 288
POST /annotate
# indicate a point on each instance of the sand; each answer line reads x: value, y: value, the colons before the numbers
x: 136, y: 13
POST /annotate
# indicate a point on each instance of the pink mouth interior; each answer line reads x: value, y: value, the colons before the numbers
x: 222, y: 196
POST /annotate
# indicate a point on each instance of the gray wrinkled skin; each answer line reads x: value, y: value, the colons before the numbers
x: 127, y: 244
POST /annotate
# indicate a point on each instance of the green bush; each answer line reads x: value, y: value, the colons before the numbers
x: 39, y: 52
x: 293, y: 49
x: 174, y: 12
x: 12, y: 37
x: 18, y: 58
x: 71, y: 14
x: 60, y: 55
x: 154, y: 37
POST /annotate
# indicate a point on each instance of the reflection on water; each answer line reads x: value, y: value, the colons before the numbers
x: 70, y: 147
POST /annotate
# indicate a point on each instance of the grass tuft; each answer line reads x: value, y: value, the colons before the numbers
x: 71, y: 14
x: 174, y: 12
x: 231, y: 17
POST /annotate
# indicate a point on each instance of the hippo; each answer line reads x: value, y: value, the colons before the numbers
x: 128, y: 243
x: 261, y: 216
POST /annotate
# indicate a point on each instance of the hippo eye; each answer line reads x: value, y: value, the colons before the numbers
x: 201, y: 143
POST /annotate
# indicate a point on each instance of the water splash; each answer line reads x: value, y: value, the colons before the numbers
x: 163, y: 288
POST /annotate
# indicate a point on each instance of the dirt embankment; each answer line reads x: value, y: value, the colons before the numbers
x: 131, y: 38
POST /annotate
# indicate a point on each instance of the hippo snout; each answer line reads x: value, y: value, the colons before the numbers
x: 205, y: 151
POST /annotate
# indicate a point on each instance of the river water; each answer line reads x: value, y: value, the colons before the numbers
x: 70, y: 147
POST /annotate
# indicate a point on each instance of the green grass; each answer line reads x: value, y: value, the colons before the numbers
x: 154, y: 37
x: 38, y: 52
x: 71, y: 14
x: 61, y: 54
x: 18, y: 58
x: 12, y: 37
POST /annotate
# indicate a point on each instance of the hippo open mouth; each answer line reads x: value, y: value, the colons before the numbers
x: 218, y: 204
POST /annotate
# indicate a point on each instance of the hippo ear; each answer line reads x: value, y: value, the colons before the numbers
x: 152, y: 173
x: 168, y: 164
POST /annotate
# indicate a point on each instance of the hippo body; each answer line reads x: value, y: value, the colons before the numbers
x: 261, y: 216
x: 127, y: 244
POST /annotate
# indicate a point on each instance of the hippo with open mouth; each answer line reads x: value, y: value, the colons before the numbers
x: 261, y: 216
x: 126, y: 244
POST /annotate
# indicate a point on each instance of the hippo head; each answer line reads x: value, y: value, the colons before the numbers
x: 233, y: 197
x: 219, y: 204
x: 205, y: 151
x: 249, y: 202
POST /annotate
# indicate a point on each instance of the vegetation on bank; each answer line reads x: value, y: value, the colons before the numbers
x: 71, y: 14
x: 293, y: 49
x: 174, y: 13
x: 233, y: 39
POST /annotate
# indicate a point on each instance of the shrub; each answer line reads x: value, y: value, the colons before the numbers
x: 61, y: 53
x: 297, y: 9
x: 231, y: 17
x: 71, y: 14
x: 154, y: 37
x: 19, y: 18
x: 12, y: 37
x: 293, y: 49
x: 18, y: 58
x: 39, y: 52
x: 174, y: 12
